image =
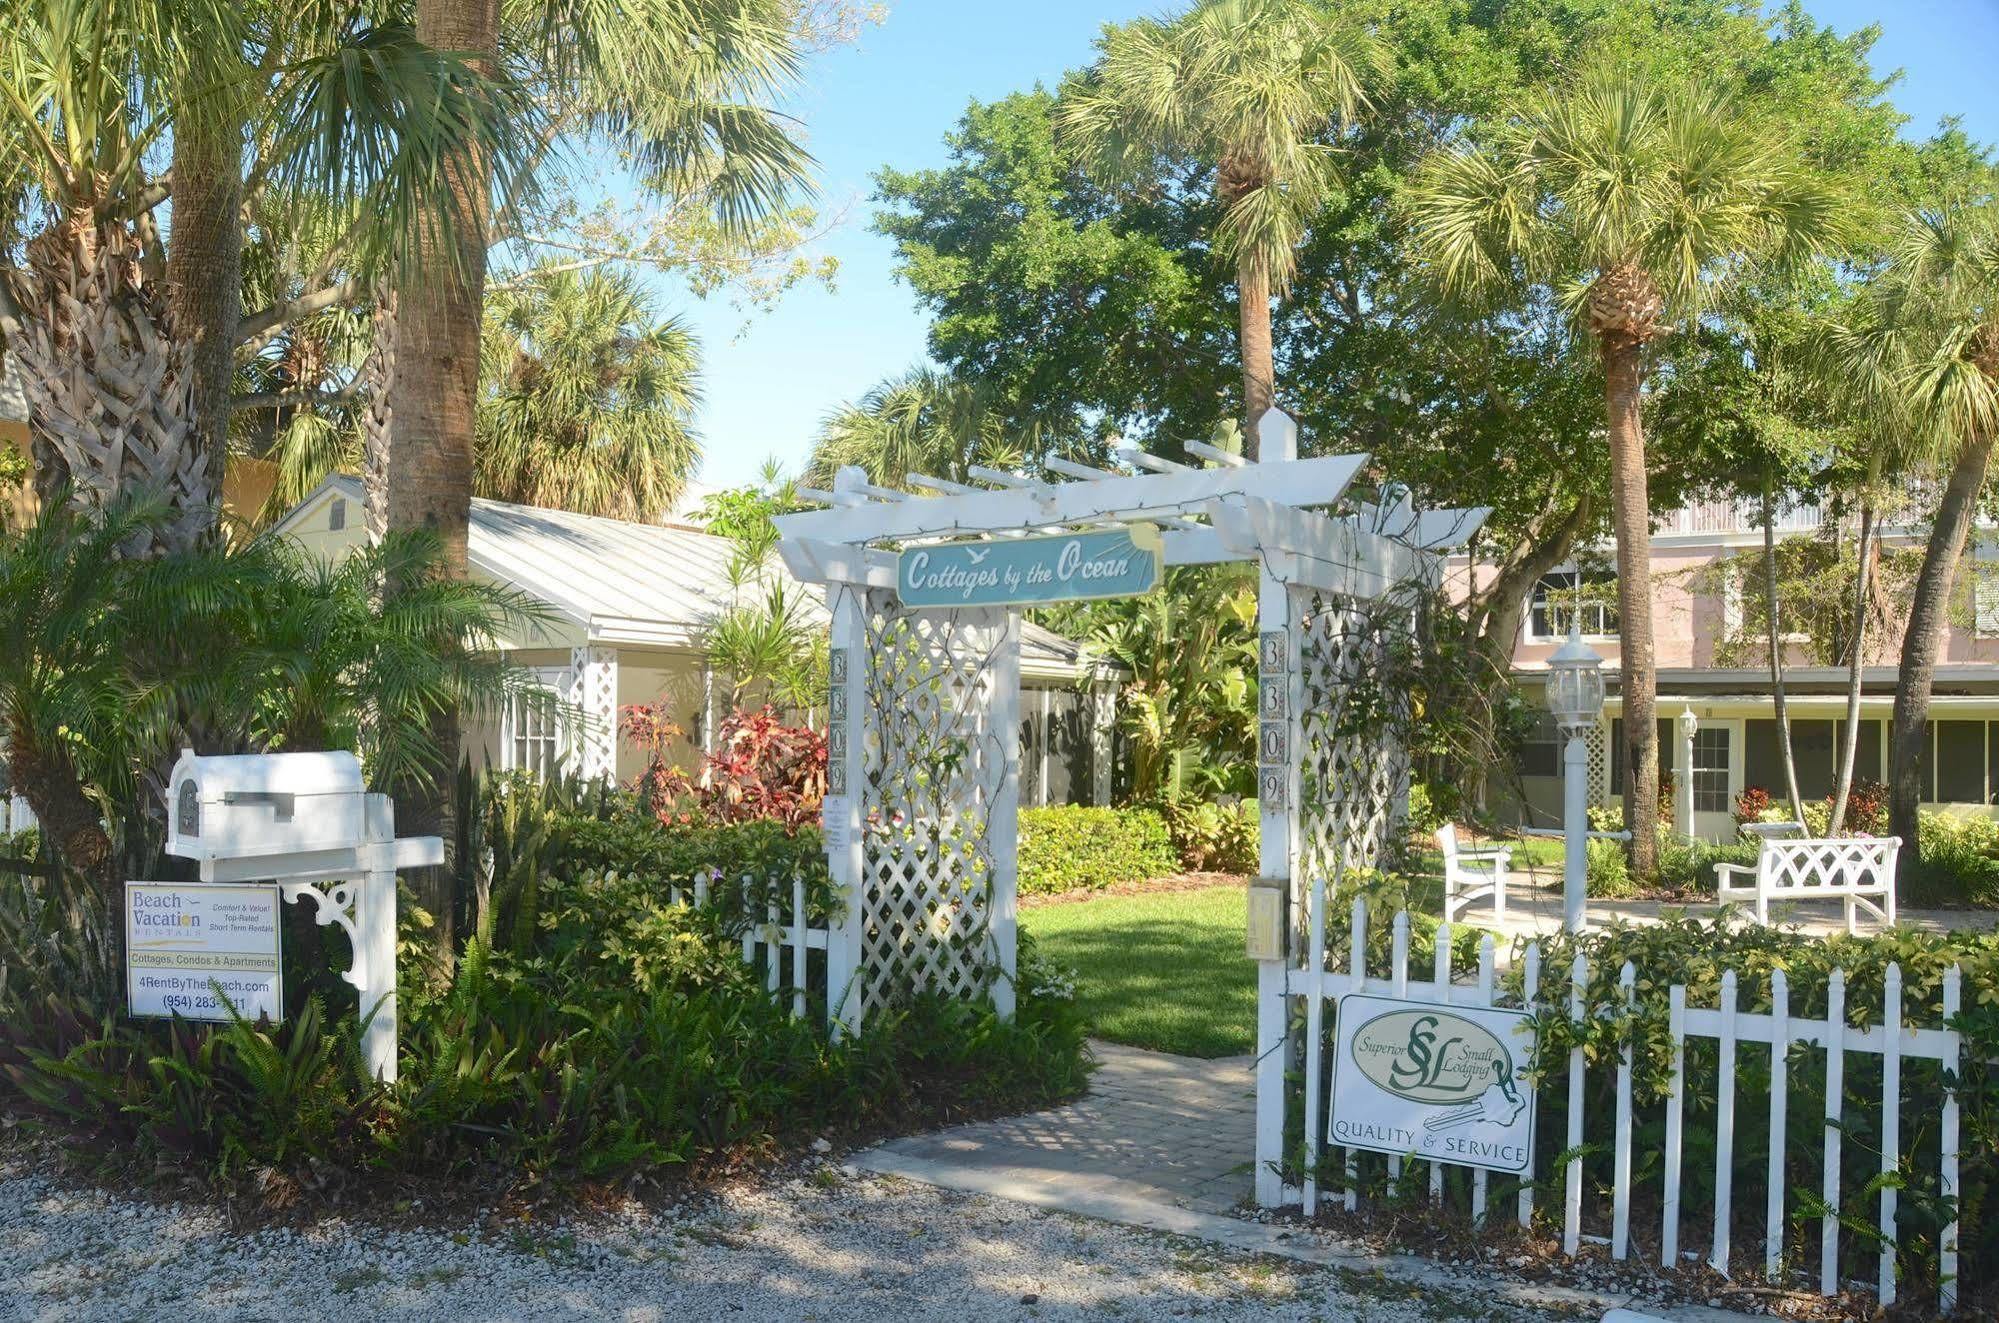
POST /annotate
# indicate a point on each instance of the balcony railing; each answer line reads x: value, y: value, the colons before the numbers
x: 1740, y: 517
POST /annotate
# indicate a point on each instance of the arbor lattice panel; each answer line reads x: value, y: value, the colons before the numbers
x: 934, y: 762
x: 1352, y: 777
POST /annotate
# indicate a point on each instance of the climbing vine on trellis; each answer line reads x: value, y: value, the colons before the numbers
x: 1360, y: 674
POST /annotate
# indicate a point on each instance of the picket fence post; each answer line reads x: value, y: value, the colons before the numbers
x: 1441, y: 976
x: 1530, y: 988
x: 1953, y: 1067
x: 1620, y: 1195
x: 1676, y: 1095
x: 1314, y: 1020
x: 1835, y: 1089
x: 1572, y: 1216
x: 1478, y: 1176
x: 1780, y: 1097
x: 1357, y: 974
x: 1891, y: 1122
x: 1724, y: 1128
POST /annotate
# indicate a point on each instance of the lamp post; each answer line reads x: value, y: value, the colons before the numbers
x: 1683, y: 772
x: 1575, y: 698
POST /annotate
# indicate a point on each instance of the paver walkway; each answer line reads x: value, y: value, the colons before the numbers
x: 1170, y: 1130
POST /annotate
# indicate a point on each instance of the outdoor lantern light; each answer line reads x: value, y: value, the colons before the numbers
x: 1575, y: 683
x: 1575, y: 696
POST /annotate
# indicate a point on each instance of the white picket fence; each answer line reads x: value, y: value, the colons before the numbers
x: 1893, y: 1041
x: 781, y: 945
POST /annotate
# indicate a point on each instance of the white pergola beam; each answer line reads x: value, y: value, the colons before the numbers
x: 1442, y: 530
x: 816, y: 561
x: 1216, y: 454
x: 1307, y: 549
x: 1123, y: 499
x: 1145, y: 459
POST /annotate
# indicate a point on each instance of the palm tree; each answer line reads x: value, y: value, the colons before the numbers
x: 1928, y: 341
x: 925, y: 421
x: 1641, y: 199
x: 264, y: 105
x: 680, y: 91
x: 588, y: 398
x: 1250, y: 89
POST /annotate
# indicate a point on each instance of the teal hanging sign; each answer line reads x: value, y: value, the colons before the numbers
x: 1117, y: 562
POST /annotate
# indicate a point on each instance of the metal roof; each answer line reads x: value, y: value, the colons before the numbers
x: 638, y: 584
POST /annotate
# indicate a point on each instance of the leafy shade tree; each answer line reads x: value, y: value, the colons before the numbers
x: 922, y: 422
x: 1928, y: 339
x: 1251, y: 89
x: 588, y: 398
x: 1643, y: 197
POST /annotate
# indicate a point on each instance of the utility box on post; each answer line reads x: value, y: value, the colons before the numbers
x: 306, y: 822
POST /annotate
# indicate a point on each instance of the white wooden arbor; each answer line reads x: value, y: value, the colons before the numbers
x: 923, y: 731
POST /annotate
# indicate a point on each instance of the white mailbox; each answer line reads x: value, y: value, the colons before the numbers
x: 235, y: 806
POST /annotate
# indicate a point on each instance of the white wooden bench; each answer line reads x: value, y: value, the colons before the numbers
x: 1849, y: 869
x: 1471, y: 875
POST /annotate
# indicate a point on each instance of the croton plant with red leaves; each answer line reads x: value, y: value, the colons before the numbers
x: 762, y: 769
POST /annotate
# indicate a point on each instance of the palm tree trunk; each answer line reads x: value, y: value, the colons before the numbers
x: 1259, y: 371
x: 1631, y: 518
x: 1928, y: 609
x: 65, y: 814
x: 1772, y: 612
x: 1856, y: 661
x: 205, y: 276
x: 108, y: 384
x: 426, y: 477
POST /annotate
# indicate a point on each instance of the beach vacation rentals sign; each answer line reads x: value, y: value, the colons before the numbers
x: 1117, y: 562
x: 1433, y: 1081
x: 186, y: 941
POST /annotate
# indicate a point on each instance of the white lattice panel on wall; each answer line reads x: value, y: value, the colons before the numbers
x: 1353, y: 774
x: 594, y: 691
x: 934, y: 762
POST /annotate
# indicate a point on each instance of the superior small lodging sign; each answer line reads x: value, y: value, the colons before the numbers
x: 186, y: 941
x: 1433, y: 1081
x: 1116, y: 562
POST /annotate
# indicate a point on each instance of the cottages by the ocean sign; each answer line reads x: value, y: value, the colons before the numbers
x: 1116, y: 562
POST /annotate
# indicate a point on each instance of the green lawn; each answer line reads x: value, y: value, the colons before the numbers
x: 1164, y: 971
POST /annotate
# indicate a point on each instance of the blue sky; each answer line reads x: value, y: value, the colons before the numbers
x: 890, y: 99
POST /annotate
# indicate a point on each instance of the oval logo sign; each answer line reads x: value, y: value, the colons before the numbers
x: 1431, y: 1056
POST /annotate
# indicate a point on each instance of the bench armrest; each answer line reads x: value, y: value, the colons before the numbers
x: 1477, y: 856
x: 1747, y: 870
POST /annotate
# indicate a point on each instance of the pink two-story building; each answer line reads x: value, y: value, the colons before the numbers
x: 1700, y: 556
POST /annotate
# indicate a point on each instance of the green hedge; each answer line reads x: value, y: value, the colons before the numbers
x: 1072, y: 848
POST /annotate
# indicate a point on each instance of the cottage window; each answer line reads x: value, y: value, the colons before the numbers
x: 532, y: 733
x: 1559, y: 596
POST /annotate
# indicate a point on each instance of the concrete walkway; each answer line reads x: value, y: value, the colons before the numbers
x: 1172, y: 1130
x: 1534, y: 907
x: 1164, y: 1142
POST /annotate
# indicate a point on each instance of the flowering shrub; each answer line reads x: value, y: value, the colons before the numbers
x: 1752, y: 805
x: 761, y: 769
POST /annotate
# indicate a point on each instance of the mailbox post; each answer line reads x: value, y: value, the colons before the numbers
x: 305, y: 821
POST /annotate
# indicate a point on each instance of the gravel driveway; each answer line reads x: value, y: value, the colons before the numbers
x: 829, y: 1246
